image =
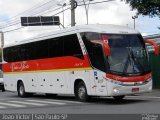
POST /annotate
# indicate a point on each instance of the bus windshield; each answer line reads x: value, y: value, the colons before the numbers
x: 128, y: 55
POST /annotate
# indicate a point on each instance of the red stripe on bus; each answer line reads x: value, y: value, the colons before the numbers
x: 47, y: 64
x: 129, y: 79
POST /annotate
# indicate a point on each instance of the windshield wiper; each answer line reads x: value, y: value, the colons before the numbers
x: 131, y: 59
x: 136, y: 61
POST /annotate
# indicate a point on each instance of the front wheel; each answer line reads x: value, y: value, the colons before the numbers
x: 119, y: 98
x: 81, y: 92
x: 21, y: 90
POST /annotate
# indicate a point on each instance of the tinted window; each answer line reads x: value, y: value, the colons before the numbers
x: 41, y: 49
x: 72, y: 46
x: 95, y: 51
x: 30, y: 52
x: 54, y: 47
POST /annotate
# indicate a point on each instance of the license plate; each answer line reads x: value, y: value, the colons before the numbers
x: 135, y: 89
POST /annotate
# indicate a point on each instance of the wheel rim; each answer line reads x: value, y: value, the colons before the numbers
x: 81, y: 92
x: 21, y: 90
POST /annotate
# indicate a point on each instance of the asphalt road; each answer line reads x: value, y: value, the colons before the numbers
x: 10, y: 103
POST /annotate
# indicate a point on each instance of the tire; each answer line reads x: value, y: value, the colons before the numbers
x: 81, y: 92
x: 3, y: 89
x: 21, y: 90
x: 119, y: 98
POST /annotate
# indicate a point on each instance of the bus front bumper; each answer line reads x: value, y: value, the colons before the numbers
x: 128, y: 89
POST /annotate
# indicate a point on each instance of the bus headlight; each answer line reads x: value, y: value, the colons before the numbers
x: 115, y: 90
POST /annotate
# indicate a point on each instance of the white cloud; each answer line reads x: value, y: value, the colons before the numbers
x: 115, y: 12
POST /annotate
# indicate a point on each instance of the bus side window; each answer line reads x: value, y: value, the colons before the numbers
x: 72, y: 46
x: 41, y: 49
x: 55, y: 47
x: 6, y: 55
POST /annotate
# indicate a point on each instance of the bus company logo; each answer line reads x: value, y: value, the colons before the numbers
x: 19, y: 66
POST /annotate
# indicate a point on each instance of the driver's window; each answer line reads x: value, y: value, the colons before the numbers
x: 95, y: 53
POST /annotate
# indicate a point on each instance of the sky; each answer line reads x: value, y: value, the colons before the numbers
x: 113, y: 12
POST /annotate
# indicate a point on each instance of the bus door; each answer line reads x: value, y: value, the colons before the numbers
x: 98, y: 62
x: 100, y: 83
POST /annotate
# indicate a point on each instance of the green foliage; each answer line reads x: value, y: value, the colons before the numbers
x: 0, y: 55
x: 145, y: 7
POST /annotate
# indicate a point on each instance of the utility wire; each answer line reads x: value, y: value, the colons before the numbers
x: 58, y: 12
x: 23, y: 26
x: 18, y: 22
x: 35, y: 7
x: 96, y: 2
x: 37, y: 12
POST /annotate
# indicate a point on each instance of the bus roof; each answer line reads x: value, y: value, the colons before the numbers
x: 100, y: 28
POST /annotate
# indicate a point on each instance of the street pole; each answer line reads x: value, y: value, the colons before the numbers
x: 2, y: 44
x: 2, y: 39
x: 73, y: 12
x: 134, y: 20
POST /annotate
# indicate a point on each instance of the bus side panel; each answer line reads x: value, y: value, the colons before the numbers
x: 29, y: 80
x: 53, y: 82
x: 9, y: 82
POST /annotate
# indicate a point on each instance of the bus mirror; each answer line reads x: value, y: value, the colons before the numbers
x: 155, y: 45
x: 105, y: 46
x: 106, y: 49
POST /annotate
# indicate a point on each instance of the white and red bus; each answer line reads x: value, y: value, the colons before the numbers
x: 85, y: 61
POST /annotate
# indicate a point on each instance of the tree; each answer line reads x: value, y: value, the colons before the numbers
x: 145, y: 7
x: 0, y: 55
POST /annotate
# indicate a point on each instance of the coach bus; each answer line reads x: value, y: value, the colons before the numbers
x: 1, y: 79
x: 85, y: 61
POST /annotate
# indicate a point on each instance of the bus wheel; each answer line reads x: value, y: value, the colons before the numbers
x: 3, y: 89
x: 118, y: 98
x: 81, y: 92
x: 21, y: 90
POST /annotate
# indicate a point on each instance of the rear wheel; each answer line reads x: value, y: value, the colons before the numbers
x: 3, y: 89
x: 81, y: 92
x: 21, y: 90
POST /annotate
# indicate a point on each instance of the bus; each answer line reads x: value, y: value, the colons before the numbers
x: 85, y: 61
x: 1, y: 79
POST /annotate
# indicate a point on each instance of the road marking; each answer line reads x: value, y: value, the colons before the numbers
x: 2, y: 107
x: 149, y: 97
x: 28, y: 103
x: 13, y: 105
x: 11, y: 98
x: 49, y: 102
x: 67, y: 101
